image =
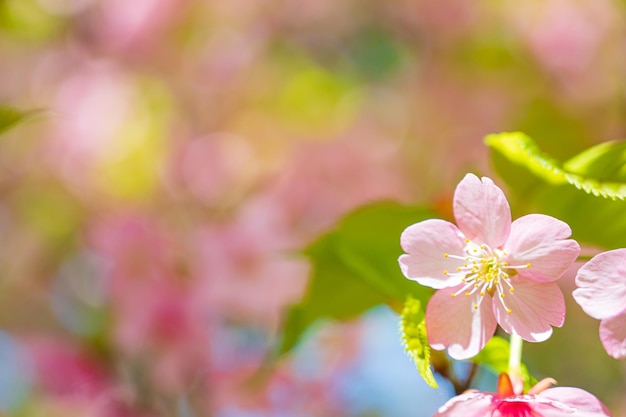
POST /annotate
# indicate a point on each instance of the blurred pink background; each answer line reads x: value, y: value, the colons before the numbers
x: 151, y: 213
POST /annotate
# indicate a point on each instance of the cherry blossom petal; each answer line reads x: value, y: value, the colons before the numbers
x: 471, y: 404
x: 425, y: 244
x: 541, y: 241
x: 567, y: 402
x: 535, y: 308
x: 613, y: 335
x: 454, y: 323
x: 601, y: 284
x: 481, y: 211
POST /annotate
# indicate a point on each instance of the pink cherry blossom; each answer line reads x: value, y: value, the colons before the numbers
x: 601, y: 293
x: 488, y: 270
x: 538, y: 402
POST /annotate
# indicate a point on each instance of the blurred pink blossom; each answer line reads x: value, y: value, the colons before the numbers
x: 63, y: 370
x: 91, y: 105
x: 246, y: 271
x: 564, y: 36
x: 323, y: 181
x: 215, y: 169
x: 138, y: 26
x: 157, y: 315
x: 77, y: 380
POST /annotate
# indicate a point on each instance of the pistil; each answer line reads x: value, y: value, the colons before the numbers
x: 485, y: 271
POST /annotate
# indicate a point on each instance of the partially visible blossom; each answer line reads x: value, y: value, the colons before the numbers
x: 538, y: 402
x: 488, y: 270
x: 601, y: 293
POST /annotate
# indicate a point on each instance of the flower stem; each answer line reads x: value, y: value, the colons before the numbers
x: 515, y: 362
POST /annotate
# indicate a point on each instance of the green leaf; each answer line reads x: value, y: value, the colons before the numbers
x: 354, y: 268
x: 605, y: 162
x: 495, y: 357
x: 415, y: 340
x: 368, y: 243
x: 522, y: 150
x: 334, y: 291
x: 9, y: 117
x: 598, y: 171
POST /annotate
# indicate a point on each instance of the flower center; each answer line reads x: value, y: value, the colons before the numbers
x: 514, y: 409
x: 485, y: 271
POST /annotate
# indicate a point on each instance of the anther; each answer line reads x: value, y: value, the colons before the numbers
x: 445, y: 272
x: 508, y: 311
x: 445, y: 255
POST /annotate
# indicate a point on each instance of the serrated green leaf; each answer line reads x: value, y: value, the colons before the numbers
x: 495, y: 357
x: 354, y: 268
x: 522, y: 150
x: 415, y: 339
x: 9, y: 117
x: 588, y: 171
x: 587, y: 214
x: 604, y: 162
